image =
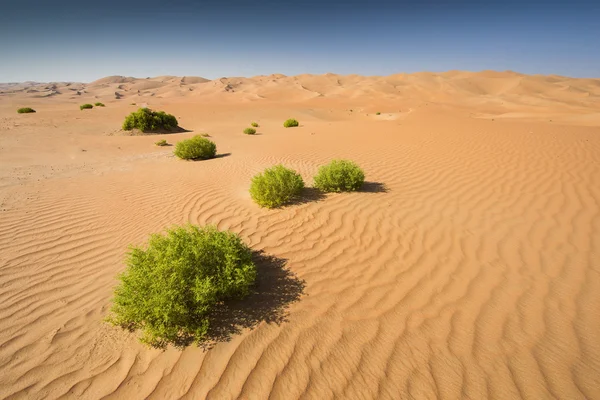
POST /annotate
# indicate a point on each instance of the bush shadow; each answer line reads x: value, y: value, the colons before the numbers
x: 275, y: 289
x: 308, y: 195
x: 374, y: 187
x: 223, y: 155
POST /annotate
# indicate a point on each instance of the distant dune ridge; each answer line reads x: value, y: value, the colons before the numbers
x: 466, y: 267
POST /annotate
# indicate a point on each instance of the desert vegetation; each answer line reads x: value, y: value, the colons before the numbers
x: 170, y: 285
x: 86, y: 106
x: 276, y: 186
x: 339, y: 176
x: 249, y: 131
x: 254, y: 124
x: 98, y: 104
x: 25, y: 110
x: 290, y: 123
x: 162, y: 142
x: 147, y: 120
x: 196, y: 148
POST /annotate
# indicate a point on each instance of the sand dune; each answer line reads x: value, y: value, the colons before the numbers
x: 467, y: 268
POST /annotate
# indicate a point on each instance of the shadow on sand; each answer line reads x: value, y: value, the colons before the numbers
x: 374, y: 187
x: 275, y: 289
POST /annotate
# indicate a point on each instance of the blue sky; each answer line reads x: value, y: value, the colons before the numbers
x: 86, y: 40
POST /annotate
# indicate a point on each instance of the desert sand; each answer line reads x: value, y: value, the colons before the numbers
x: 468, y: 267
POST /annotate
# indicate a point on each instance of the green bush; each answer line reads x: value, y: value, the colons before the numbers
x: 99, y: 104
x: 196, y: 148
x: 276, y: 186
x: 254, y: 124
x: 170, y: 286
x: 85, y: 106
x: 339, y: 176
x: 25, y: 110
x: 162, y: 143
x: 377, y: 113
x: 249, y: 131
x: 147, y: 120
x: 290, y: 123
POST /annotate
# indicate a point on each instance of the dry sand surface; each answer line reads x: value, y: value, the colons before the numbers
x: 467, y: 268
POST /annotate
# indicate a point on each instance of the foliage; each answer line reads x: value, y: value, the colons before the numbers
x: 162, y: 142
x: 290, y: 123
x: 204, y: 135
x: 339, y: 176
x: 249, y: 131
x: 196, y: 148
x: 377, y: 113
x: 25, y: 110
x: 98, y: 104
x: 276, y: 186
x: 254, y: 124
x: 147, y: 120
x: 171, y: 285
x: 85, y: 106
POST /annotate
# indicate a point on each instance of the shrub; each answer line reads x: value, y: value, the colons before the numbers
x: 99, y: 104
x: 249, y: 131
x: 196, y: 148
x: 254, y: 124
x: 132, y: 104
x: 290, y: 123
x: 85, y: 106
x: 276, y: 186
x: 377, y: 113
x: 162, y: 143
x: 170, y: 286
x: 25, y: 110
x: 204, y: 135
x: 339, y: 176
x: 147, y: 120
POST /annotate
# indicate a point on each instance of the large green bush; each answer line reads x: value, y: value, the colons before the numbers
x: 25, y: 110
x: 339, y: 176
x: 276, y: 186
x: 290, y: 123
x: 85, y: 106
x: 196, y: 148
x: 147, y: 120
x: 171, y: 285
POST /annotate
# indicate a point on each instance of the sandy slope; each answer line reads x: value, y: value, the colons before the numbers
x: 467, y: 268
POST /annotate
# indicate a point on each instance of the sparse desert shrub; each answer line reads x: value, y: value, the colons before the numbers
x: 254, y: 124
x: 339, y: 176
x: 196, y: 148
x: 98, y: 104
x: 204, y: 135
x: 377, y: 113
x: 249, y: 131
x: 25, y: 110
x: 290, y: 123
x: 85, y: 106
x: 171, y: 285
x: 132, y: 104
x: 162, y: 142
x: 276, y: 186
x: 147, y: 120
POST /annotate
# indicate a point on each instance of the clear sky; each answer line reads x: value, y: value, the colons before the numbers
x: 83, y: 40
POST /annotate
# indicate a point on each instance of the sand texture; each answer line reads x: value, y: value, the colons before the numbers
x: 467, y: 268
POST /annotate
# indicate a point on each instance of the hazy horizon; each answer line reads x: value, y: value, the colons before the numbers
x: 71, y: 41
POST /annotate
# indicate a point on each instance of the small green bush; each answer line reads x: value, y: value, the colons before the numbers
x: 254, y: 124
x: 25, y: 110
x: 290, y: 123
x: 132, y: 104
x: 171, y: 285
x: 196, y: 148
x: 276, y: 186
x: 339, y: 176
x: 377, y: 113
x: 99, y: 104
x: 249, y: 131
x: 85, y: 106
x: 147, y: 120
x: 162, y: 143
